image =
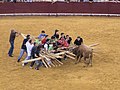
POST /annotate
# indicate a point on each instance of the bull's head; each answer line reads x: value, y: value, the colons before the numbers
x: 73, y: 49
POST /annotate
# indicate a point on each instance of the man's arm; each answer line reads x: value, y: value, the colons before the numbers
x: 81, y: 40
x: 75, y: 42
x: 17, y: 34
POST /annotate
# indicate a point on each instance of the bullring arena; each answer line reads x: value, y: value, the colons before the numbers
x: 103, y: 75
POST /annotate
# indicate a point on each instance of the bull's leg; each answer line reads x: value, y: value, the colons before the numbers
x: 85, y: 59
x: 91, y: 60
x: 84, y: 62
x: 77, y: 59
x: 80, y: 58
x: 87, y: 62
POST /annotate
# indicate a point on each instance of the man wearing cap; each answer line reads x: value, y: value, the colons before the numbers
x: 23, y: 47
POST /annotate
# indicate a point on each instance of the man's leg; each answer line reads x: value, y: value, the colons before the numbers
x: 32, y: 63
x: 38, y: 63
x: 27, y: 58
x: 11, y: 48
x: 65, y: 57
x: 21, y: 54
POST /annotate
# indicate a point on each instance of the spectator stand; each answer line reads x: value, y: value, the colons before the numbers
x: 59, y: 8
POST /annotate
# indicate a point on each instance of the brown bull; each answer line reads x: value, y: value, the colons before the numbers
x: 83, y: 51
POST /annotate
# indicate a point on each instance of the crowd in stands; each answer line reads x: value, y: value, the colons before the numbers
x: 60, y: 0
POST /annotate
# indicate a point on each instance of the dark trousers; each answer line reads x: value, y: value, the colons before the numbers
x: 32, y: 63
x: 39, y: 63
x: 11, y: 48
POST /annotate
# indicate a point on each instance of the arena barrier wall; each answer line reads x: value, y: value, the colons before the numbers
x: 61, y: 8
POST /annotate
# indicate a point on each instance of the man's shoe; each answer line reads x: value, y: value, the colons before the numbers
x: 18, y: 60
x: 23, y: 64
x: 37, y: 68
x: 31, y: 67
x: 10, y: 55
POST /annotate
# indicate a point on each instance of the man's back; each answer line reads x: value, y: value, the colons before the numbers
x: 29, y: 48
x: 12, y: 36
x: 23, y: 44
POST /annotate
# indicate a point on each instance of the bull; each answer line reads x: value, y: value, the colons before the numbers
x: 84, y: 51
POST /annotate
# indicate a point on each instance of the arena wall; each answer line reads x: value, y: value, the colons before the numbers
x: 60, y: 8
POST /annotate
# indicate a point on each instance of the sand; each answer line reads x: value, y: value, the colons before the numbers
x: 104, y: 75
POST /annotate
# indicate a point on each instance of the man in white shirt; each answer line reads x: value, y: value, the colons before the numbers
x: 46, y: 45
x: 29, y: 46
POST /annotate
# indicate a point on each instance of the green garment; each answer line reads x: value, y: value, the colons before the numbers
x: 37, y: 41
x: 50, y: 47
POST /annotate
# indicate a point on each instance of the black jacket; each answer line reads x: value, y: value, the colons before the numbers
x: 76, y: 42
x: 23, y: 44
x: 12, y: 36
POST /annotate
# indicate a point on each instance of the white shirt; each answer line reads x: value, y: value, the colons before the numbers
x: 29, y: 48
x: 46, y: 47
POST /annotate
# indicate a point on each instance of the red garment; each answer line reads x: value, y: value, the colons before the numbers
x: 66, y: 44
x: 63, y: 43
x: 44, y: 41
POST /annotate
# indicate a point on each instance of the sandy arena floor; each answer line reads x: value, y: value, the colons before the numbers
x: 104, y: 75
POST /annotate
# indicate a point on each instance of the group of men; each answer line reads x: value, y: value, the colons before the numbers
x: 33, y: 46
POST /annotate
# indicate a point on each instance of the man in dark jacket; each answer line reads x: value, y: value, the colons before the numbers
x: 68, y: 39
x: 56, y: 34
x: 23, y: 47
x: 62, y: 36
x: 78, y: 41
x: 13, y: 34
x: 34, y: 54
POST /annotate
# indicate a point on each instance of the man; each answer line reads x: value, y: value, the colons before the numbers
x: 23, y: 47
x: 68, y: 39
x: 42, y: 35
x: 78, y: 41
x: 46, y: 45
x: 62, y: 36
x: 53, y: 41
x: 56, y: 34
x: 29, y: 46
x: 13, y: 35
x: 34, y: 54
x: 44, y: 39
